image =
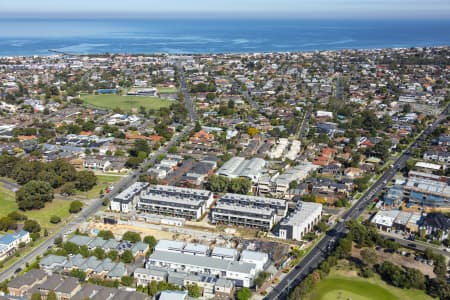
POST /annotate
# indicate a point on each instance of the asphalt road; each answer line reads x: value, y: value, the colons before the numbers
x: 312, y: 260
x: 339, y: 88
x: 305, y: 124
x: 187, y: 96
x: 413, y: 244
x: 12, y: 186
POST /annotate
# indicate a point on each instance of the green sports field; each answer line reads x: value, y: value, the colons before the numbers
x: 338, y: 287
x: 126, y: 103
x: 167, y: 90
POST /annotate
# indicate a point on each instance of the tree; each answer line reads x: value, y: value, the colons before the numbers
x: 50, y: 177
x: 75, y: 207
x: 52, y: 296
x: 150, y: 240
x: 68, y: 189
x: 86, y: 180
x: 25, y: 171
x: 99, y: 253
x: 153, y: 288
x: 132, y: 162
x: 6, y: 223
x: 262, y: 277
x: 112, y: 255
x: 127, y: 257
x: 55, y: 219
x: 84, y: 251
x: 78, y: 274
x: 127, y: 280
x: 36, y: 296
x: 239, y: 186
x: 217, y: 184
x: 64, y: 169
x: 172, y: 149
x: 131, y: 236
x: 440, y: 267
x: 194, y: 291
x: 369, y: 256
x: 31, y: 226
x: 309, y: 198
x: 140, y: 145
x: 71, y: 248
x: 7, y: 164
x: 106, y: 234
x: 344, y: 248
x: 252, y: 131
x: 34, y: 194
x: 244, y: 294
x: 16, y: 216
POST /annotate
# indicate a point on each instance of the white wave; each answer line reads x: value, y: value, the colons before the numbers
x: 83, y: 47
x: 240, y: 41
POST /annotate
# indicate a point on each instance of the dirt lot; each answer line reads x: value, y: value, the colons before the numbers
x: 400, y: 260
x: 120, y: 229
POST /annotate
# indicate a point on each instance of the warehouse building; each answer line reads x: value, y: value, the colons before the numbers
x: 238, y: 167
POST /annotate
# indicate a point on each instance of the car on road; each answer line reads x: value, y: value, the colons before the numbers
x: 18, y: 270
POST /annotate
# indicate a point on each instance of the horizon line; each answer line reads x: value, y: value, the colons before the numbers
x: 80, y: 15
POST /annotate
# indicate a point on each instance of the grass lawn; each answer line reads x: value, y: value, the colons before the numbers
x: 7, y: 201
x: 339, y: 286
x: 126, y: 103
x: 103, y: 182
x: 167, y: 90
x: 57, y: 207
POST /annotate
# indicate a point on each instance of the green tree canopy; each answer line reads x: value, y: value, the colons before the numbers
x: 34, y: 194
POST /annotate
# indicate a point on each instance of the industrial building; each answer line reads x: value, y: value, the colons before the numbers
x: 301, y: 221
x: 238, y: 167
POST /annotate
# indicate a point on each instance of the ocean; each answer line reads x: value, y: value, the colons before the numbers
x: 37, y: 36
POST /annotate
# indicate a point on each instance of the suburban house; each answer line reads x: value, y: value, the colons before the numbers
x: 9, y: 243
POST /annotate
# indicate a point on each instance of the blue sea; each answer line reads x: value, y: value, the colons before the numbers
x: 37, y: 36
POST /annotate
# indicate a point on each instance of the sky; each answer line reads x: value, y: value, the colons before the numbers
x: 348, y: 9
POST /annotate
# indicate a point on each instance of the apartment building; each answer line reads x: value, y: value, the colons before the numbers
x: 301, y: 221
x: 186, y: 203
x: 126, y: 200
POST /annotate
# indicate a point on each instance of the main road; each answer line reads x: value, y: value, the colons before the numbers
x: 185, y: 90
x: 319, y: 253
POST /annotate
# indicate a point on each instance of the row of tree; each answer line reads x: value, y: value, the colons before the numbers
x: 221, y: 184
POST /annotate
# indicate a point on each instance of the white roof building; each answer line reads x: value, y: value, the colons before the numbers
x: 301, y: 221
